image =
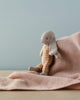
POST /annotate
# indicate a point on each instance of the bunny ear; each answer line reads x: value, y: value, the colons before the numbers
x: 41, y: 52
x: 52, y: 48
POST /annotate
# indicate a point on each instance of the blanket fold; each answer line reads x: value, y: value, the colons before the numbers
x: 65, y: 73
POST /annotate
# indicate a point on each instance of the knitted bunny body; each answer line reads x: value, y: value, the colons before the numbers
x: 47, y: 60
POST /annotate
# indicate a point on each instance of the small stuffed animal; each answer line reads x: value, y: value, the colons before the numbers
x: 48, y: 51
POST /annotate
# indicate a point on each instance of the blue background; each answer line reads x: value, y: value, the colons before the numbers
x: 22, y: 23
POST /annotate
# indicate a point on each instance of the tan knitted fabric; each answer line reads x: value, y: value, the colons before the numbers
x: 46, y: 59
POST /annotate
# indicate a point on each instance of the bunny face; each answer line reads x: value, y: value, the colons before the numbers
x: 48, y: 37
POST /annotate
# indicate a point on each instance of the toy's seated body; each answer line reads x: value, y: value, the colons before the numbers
x: 48, y: 52
x: 47, y: 60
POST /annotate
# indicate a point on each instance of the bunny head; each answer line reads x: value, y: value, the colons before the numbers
x: 48, y: 38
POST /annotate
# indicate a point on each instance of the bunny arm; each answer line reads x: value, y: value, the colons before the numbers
x: 41, y: 52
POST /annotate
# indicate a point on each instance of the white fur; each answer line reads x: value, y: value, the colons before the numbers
x: 48, y: 38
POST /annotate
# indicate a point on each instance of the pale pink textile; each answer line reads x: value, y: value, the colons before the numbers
x: 65, y: 73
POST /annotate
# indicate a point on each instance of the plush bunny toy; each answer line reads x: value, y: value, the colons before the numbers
x: 48, y: 51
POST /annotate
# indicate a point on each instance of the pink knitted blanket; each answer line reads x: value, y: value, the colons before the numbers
x: 65, y: 73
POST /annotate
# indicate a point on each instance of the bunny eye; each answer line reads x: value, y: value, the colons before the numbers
x: 46, y: 38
